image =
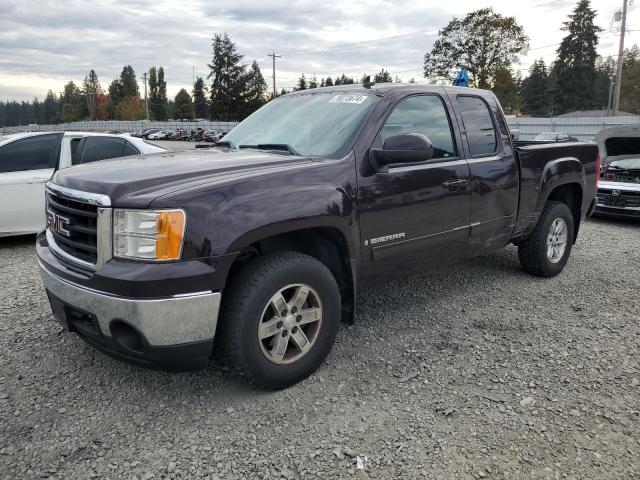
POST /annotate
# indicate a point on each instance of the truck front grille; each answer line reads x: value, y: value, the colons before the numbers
x: 79, y: 228
x: 74, y: 226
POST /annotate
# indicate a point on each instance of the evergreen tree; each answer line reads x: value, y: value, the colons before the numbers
x: 38, y: 112
x: 605, y: 70
x: 630, y: 88
x: 313, y: 83
x: 200, y: 105
x: 153, y: 92
x: 157, y: 94
x: 72, y: 103
x: 328, y: 82
x: 90, y: 89
x: 413, y: 80
x: 51, y: 107
x: 227, y: 74
x: 183, y: 109
x: 129, y: 83
x: 574, y: 71
x: 302, y: 83
x: 255, y: 93
x: 535, y: 91
x: 383, y: 76
x: 506, y: 86
x: 161, y: 111
x: 322, y: 84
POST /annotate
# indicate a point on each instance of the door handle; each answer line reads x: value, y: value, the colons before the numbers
x: 455, y: 184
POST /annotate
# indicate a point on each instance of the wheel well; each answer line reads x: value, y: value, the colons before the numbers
x: 326, y: 244
x: 571, y: 195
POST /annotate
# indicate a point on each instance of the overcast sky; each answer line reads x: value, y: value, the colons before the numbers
x: 44, y: 44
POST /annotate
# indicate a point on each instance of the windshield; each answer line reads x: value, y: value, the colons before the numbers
x: 311, y: 124
x: 626, y: 163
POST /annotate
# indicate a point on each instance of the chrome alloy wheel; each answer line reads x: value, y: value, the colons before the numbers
x: 290, y: 323
x: 557, y: 240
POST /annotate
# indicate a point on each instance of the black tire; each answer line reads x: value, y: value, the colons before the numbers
x: 533, y: 251
x: 248, y: 294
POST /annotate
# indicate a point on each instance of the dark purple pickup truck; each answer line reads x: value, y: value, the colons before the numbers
x: 262, y: 241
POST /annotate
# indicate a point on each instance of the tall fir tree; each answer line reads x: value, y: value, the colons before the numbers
x: 574, y: 71
x: 200, y: 105
x: 157, y: 94
x: 302, y: 83
x: 255, y: 93
x: 227, y: 75
x: 630, y: 88
x: 383, y: 76
x: 51, y: 108
x: 506, y: 86
x: 91, y: 89
x: 183, y: 108
x: 535, y: 91
x: 73, y: 103
x: 328, y: 82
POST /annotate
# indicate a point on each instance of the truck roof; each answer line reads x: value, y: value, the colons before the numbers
x: 382, y: 89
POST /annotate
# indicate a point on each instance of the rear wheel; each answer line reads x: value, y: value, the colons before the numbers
x: 547, y: 250
x: 280, y: 318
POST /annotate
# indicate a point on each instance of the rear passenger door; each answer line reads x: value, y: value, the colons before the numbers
x: 493, y: 170
x: 93, y: 149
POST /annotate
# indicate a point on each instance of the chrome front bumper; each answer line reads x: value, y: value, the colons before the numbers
x: 166, y: 321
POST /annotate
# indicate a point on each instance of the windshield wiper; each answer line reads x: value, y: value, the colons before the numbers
x: 225, y: 143
x: 273, y: 146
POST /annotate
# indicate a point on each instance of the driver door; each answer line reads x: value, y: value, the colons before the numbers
x: 415, y: 216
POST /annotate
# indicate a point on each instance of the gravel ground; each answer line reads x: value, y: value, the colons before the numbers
x: 476, y: 371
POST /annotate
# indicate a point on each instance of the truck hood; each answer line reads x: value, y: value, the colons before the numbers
x: 135, y: 182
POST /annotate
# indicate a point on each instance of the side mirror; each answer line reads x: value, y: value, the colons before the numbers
x: 402, y: 148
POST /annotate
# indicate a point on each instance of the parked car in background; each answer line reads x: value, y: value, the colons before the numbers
x: 150, y: 131
x: 619, y: 189
x: 554, y: 137
x: 28, y: 160
x: 161, y: 135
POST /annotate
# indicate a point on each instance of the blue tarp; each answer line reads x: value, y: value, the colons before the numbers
x: 462, y: 79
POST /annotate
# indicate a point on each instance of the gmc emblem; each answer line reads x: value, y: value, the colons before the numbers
x: 57, y: 223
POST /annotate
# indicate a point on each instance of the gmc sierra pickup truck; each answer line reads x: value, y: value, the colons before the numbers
x: 263, y: 241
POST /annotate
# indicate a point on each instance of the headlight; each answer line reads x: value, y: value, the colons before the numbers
x: 148, y: 234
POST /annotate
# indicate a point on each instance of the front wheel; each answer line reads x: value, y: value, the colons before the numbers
x: 546, y: 251
x: 280, y: 317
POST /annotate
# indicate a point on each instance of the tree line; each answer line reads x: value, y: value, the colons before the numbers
x: 488, y: 45
x: 485, y: 43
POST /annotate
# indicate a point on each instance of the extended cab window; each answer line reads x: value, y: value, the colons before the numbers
x: 478, y: 124
x: 31, y: 153
x: 424, y: 114
x: 100, y: 148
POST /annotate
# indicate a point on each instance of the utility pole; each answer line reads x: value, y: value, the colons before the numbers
x: 616, y: 94
x: 146, y: 100
x: 609, y: 103
x: 274, y: 56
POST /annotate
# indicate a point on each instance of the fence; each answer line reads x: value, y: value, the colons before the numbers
x: 583, y: 128
x: 125, y: 126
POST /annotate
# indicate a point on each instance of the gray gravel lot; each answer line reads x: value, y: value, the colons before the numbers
x: 472, y: 371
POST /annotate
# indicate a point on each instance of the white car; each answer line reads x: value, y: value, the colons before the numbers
x: 28, y: 160
x: 162, y: 134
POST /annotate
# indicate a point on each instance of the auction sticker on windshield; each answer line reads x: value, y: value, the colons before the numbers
x: 358, y: 99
